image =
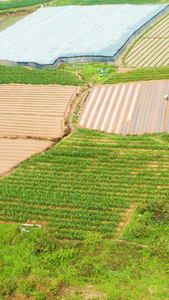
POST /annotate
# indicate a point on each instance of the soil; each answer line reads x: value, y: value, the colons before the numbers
x: 125, y: 221
x: 13, y: 151
x: 35, y: 111
x: 86, y: 292
x: 124, y: 70
x: 130, y: 108
x: 152, y: 49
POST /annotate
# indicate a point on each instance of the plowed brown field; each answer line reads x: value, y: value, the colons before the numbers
x: 35, y: 111
x: 152, y: 49
x: 130, y: 108
x: 13, y: 151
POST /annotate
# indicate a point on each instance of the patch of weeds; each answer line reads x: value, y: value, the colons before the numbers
x: 149, y: 222
x: 7, y: 287
x: 56, y: 286
x: 92, y: 241
x: 41, y: 295
x: 41, y: 242
x: 73, y: 296
x: 26, y: 286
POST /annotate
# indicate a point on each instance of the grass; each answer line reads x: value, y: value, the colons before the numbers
x: 35, y: 265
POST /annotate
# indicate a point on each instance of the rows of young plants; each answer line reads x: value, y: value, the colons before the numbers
x: 15, y: 4
x: 85, y: 183
x: 101, y: 2
x: 66, y: 74
x: 21, y: 3
x: 45, y: 76
x: 142, y: 74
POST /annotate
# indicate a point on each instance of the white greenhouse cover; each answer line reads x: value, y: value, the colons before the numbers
x: 50, y: 33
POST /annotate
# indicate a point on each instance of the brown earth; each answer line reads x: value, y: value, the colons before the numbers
x: 152, y: 49
x: 13, y: 151
x: 124, y: 70
x: 128, y: 108
x: 35, y: 111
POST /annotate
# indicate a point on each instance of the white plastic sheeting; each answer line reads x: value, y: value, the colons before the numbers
x: 50, y: 33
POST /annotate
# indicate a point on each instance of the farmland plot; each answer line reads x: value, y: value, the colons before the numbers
x: 152, y: 49
x: 86, y: 183
x: 35, y: 111
x: 13, y: 151
x: 51, y: 33
x: 131, y: 108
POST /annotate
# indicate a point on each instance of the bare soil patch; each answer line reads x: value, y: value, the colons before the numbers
x: 127, y: 108
x: 124, y: 70
x: 13, y: 151
x: 35, y: 111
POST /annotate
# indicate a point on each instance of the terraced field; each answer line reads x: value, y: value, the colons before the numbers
x: 86, y: 183
x: 152, y: 49
x: 131, y: 108
x: 35, y: 111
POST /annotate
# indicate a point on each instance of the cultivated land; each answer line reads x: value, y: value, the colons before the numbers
x: 134, y: 108
x: 152, y: 48
x: 86, y: 183
x: 49, y: 33
x: 87, y: 186
x: 13, y: 151
x: 35, y: 111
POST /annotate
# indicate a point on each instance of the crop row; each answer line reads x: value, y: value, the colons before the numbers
x: 74, y: 194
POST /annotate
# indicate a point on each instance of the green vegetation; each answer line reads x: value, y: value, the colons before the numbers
x: 86, y: 183
x: 44, y: 76
x: 141, y: 74
x: 17, y: 5
x: 102, y: 2
x: 65, y: 74
x: 20, y: 3
x: 35, y: 265
x: 5, y: 21
x: 79, y: 74
x: 150, y: 224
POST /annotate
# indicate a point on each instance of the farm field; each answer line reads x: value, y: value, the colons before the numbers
x: 88, y: 182
x: 13, y: 151
x: 35, y: 38
x: 35, y: 111
x: 6, y: 21
x: 151, y: 50
x: 134, y: 108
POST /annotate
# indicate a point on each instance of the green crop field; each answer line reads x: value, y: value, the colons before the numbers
x: 102, y: 2
x: 17, y: 5
x: 86, y: 182
x: 45, y: 76
x: 67, y: 74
